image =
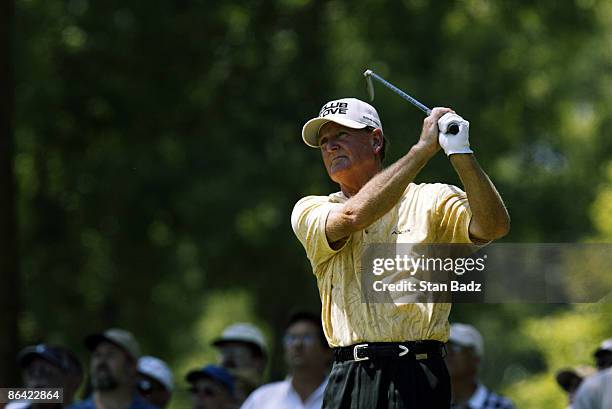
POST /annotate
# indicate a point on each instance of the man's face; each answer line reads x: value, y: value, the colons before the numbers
x: 40, y: 373
x: 462, y: 362
x: 153, y: 391
x: 238, y: 355
x: 347, y: 151
x: 303, y: 347
x: 111, y: 367
x: 208, y: 394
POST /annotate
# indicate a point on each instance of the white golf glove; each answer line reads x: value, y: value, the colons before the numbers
x: 459, y: 143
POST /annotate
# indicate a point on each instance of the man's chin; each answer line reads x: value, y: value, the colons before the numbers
x: 338, y: 173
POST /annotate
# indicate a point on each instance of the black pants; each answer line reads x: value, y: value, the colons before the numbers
x: 389, y: 383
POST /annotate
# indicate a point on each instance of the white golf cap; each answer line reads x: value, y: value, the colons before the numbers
x: 605, y: 346
x: 120, y: 337
x: 350, y: 112
x: 156, y: 369
x: 467, y: 336
x: 243, y: 332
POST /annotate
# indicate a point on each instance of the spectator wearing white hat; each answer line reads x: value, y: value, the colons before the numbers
x: 243, y: 351
x: 603, y: 355
x: 155, y: 381
x: 113, y: 369
x: 465, y: 352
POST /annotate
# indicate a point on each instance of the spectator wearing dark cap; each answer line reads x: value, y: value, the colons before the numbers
x: 603, y: 355
x: 155, y: 382
x: 465, y: 349
x: 212, y: 387
x: 569, y: 379
x: 46, y: 366
x: 114, y: 357
x: 308, y: 358
x: 243, y: 351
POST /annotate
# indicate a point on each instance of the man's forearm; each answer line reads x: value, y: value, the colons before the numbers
x: 385, y: 189
x: 490, y: 219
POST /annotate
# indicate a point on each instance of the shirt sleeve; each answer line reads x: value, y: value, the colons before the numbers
x: 453, y: 215
x: 308, y: 222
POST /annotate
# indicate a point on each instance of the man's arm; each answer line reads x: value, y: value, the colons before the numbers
x: 490, y: 218
x: 384, y: 190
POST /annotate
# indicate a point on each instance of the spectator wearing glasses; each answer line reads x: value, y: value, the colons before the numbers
x: 308, y: 358
x: 243, y: 352
x: 46, y: 366
x: 465, y: 352
x: 212, y: 387
x: 155, y: 382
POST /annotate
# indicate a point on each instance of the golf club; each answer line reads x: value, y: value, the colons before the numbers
x: 369, y: 74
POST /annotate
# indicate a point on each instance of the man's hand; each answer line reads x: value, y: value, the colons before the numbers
x: 459, y: 143
x: 429, y: 135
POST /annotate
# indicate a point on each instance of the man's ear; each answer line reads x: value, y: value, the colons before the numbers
x: 377, y: 140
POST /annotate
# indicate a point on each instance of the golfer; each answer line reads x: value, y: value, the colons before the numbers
x: 387, y: 355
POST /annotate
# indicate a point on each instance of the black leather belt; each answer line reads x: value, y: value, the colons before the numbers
x: 373, y: 350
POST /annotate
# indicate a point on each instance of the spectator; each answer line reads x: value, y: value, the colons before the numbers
x: 155, y: 381
x: 113, y: 372
x: 212, y: 387
x: 595, y: 392
x: 465, y: 352
x: 603, y: 355
x: 569, y: 380
x: 45, y: 366
x: 243, y: 351
x: 308, y: 357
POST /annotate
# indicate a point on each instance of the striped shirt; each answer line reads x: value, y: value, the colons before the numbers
x: 485, y: 399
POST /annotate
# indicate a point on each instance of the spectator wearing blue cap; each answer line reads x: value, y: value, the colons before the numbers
x: 212, y: 387
x: 113, y: 371
x: 46, y: 366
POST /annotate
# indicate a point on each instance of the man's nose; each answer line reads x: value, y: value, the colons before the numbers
x: 331, y: 145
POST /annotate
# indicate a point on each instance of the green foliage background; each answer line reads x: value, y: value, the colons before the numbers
x: 159, y: 157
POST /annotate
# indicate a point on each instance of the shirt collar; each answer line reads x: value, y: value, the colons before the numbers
x: 478, y: 397
x: 316, y: 393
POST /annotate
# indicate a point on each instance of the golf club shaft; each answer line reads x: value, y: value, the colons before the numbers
x: 400, y: 92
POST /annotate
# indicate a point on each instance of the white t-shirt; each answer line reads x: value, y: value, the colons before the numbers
x: 281, y: 395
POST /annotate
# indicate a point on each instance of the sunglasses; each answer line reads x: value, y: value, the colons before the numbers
x: 307, y: 340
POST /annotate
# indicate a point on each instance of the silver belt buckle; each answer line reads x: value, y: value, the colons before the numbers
x: 356, y: 350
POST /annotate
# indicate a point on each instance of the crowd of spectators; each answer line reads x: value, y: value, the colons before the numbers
x: 119, y: 377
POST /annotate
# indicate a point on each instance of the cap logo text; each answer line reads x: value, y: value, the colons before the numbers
x: 334, y: 108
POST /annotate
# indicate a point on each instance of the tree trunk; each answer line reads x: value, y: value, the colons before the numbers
x: 9, y: 264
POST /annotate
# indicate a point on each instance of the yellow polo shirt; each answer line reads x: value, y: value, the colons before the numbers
x: 426, y: 213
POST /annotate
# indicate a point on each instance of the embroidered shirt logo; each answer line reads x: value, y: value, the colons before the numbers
x: 398, y: 231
